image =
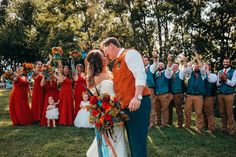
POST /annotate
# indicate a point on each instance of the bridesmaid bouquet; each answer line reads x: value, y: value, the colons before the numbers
x: 74, y: 55
x: 28, y: 67
x: 57, y: 53
x: 9, y: 75
x: 47, y: 71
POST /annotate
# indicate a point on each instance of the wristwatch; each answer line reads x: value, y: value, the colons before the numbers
x: 139, y: 97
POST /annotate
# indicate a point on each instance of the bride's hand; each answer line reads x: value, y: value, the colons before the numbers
x: 134, y: 104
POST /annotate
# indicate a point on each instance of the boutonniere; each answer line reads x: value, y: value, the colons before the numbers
x: 118, y: 62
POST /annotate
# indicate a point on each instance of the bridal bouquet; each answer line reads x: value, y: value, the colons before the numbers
x: 105, y: 114
x: 28, y: 67
x: 9, y: 75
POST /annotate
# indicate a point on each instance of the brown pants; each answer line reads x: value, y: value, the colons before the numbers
x: 226, y: 112
x: 208, y: 111
x: 197, y: 102
x: 177, y: 101
x: 162, y: 108
x: 153, y: 114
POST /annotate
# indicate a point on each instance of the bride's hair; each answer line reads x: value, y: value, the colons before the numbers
x: 94, y: 66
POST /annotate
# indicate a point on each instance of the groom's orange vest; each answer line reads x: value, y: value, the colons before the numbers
x: 124, y: 81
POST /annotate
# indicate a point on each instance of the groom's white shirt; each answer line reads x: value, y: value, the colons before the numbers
x: 135, y: 64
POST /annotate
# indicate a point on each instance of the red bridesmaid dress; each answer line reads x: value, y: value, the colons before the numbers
x: 20, y: 111
x: 37, y: 99
x: 66, y: 105
x: 51, y: 91
x: 79, y: 89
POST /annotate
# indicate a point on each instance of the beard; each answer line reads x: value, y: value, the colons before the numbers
x: 160, y: 69
x: 226, y: 66
x: 197, y: 70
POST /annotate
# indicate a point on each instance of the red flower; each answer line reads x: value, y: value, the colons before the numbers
x: 94, y: 112
x: 111, y: 123
x: 93, y: 100
x: 106, y: 98
x: 106, y: 106
x: 107, y: 117
x: 98, y: 124
x: 115, y: 100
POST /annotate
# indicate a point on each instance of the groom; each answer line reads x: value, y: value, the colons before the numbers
x: 130, y: 86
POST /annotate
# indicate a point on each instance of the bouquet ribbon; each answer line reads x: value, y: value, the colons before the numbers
x: 102, y: 143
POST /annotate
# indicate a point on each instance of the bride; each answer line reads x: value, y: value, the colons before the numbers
x: 98, y: 76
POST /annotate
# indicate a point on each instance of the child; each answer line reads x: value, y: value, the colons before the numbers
x: 82, y: 118
x: 52, y: 112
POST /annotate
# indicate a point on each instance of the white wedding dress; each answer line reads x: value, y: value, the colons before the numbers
x: 106, y: 86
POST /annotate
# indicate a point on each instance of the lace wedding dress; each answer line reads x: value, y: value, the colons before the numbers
x: 106, y: 86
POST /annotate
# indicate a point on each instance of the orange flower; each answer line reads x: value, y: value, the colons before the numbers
x: 106, y: 106
x: 102, y: 119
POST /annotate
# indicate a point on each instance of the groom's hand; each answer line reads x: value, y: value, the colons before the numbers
x: 134, y: 104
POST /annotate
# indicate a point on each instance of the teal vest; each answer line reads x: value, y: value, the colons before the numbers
x: 150, y: 78
x: 176, y: 84
x: 162, y: 83
x: 196, y: 86
x: 210, y: 88
x: 224, y: 88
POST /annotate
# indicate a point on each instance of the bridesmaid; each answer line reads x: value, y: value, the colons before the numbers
x: 20, y: 111
x: 51, y: 91
x: 79, y: 78
x: 66, y: 105
x: 37, y: 93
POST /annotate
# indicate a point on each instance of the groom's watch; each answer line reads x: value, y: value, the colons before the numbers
x: 139, y: 97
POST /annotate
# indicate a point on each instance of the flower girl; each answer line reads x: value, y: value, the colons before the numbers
x: 52, y: 112
x: 82, y: 118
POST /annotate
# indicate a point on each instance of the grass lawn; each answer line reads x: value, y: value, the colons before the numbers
x: 36, y: 141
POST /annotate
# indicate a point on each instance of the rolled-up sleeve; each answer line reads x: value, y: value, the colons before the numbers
x: 212, y: 78
x: 153, y: 67
x: 135, y: 64
x: 232, y: 82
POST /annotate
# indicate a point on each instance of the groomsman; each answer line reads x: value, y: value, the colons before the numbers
x: 195, y: 91
x: 149, y: 69
x: 177, y: 89
x: 226, y: 83
x: 162, y: 91
x: 209, y: 98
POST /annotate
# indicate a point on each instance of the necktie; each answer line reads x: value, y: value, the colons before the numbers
x: 174, y: 77
x: 159, y: 74
x: 225, y: 71
x: 196, y: 75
